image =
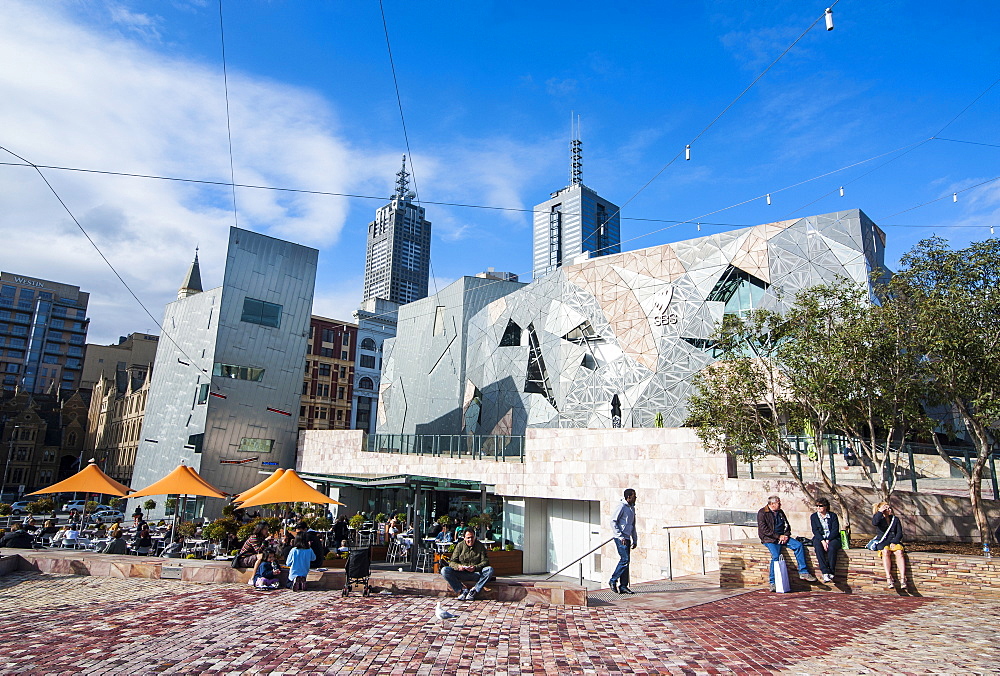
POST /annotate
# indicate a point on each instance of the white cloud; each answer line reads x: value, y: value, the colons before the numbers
x: 101, y: 92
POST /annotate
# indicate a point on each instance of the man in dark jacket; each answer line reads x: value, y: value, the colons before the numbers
x: 775, y: 532
x: 468, y: 563
x: 18, y: 539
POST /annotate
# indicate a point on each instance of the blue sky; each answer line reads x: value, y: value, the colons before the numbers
x: 487, y: 91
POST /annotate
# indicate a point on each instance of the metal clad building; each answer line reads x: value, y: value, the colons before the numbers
x: 228, y: 375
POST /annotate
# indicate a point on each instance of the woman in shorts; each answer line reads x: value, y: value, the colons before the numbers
x: 889, y: 541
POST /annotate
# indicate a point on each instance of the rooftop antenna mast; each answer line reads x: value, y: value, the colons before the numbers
x: 575, y: 151
x: 402, y: 181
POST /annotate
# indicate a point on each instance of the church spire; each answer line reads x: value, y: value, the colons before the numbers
x: 192, y: 283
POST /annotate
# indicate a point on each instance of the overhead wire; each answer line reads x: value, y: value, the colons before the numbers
x: 229, y: 129
x: 101, y: 253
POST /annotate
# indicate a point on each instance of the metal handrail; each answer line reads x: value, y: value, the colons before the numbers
x: 701, y: 534
x: 579, y: 558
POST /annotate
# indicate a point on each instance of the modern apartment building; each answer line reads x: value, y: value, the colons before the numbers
x: 328, y: 384
x: 43, y: 330
x: 397, y: 261
x: 227, y: 380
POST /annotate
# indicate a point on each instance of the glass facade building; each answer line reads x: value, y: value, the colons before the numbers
x: 574, y: 224
x: 43, y: 333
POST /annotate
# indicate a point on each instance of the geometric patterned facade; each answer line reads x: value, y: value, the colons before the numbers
x: 556, y: 352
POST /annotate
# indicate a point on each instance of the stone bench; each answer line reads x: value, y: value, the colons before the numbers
x: 744, y: 563
x: 79, y: 562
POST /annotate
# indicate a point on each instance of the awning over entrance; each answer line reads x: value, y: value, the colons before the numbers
x: 394, y: 481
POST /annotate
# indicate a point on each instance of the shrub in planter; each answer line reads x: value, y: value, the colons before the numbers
x: 354, y: 522
x: 508, y: 547
x: 117, y: 503
x: 444, y: 520
x: 187, y: 528
x: 150, y: 505
x: 190, y: 556
x: 5, y: 509
x: 43, y: 506
x: 90, y: 505
x: 380, y: 518
x: 319, y: 523
x: 401, y: 517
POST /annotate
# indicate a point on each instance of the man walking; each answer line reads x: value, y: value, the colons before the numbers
x: 775, y: 532
x: 623, y: 529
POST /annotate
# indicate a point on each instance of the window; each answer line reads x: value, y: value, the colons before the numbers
x: 340, y: 415
x: 45, y: 476
x: 17, y: 475
x: 203, y: 393
x: 340, y: 393
x: 511, y: 336
x: 343, y: 371
x: 251, y: 445
x: 438, y: 329
x: 347, y: 339
x: 196, y: 441
x: 368, y: 344
x: 366, y: 384
x: 321, y: 413
x: 238, y: 372
x: 261, y: 312
x: 367, y: 361
x: 302, y: 411
x: 21, y: 454
x: 324, y: 370
x: 305, y: 387
x: 322, y: 390
x: 343, y: 355
x: 329, y: 336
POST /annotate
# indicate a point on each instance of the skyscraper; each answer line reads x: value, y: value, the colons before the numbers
x: 574, y: 223
x: 43, y: 325
x: 398, y: 257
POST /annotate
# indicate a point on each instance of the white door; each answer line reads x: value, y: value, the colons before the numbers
x: 570, y: 533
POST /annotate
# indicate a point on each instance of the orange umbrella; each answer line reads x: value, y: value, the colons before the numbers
x: 88, y: 480
x: 288, y: 488
x: 182, y: 481
x: 257, y: 488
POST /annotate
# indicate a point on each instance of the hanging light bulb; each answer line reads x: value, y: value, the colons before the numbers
x: 991, y: 229
x: 954, y: 197
x: 841, y: 191
x: 768, y: 198
x: 699, y: 228
x: 687, y: 152
x: 829, y: 19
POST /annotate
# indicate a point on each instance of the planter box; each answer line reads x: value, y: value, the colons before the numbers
x: 507, y: 563
x: 335, y: 564
x: 379, y: 552
x: 504, y: 563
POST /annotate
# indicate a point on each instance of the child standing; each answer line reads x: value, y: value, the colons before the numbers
x: 298, y: 560
x: 268, y: 572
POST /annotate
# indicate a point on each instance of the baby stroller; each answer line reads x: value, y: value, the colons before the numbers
x: 358, y: 569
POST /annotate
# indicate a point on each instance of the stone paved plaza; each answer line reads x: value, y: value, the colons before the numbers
x: 54, y: 624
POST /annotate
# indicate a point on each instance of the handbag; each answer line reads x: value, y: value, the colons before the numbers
x: 876, y: 541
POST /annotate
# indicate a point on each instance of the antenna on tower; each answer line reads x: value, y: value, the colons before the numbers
x: 575, y: 151
x: 402, y: 181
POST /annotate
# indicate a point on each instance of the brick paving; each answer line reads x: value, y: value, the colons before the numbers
x: 52, y: 624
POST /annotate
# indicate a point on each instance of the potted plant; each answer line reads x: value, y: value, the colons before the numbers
x: 444, y: 520
x: 5, y: 509
x: 149, y: 506
x: 356, y: 522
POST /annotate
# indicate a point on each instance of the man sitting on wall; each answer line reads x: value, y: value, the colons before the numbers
x: 775, y: 532
x: 469, y: 563
x: 21, y: 538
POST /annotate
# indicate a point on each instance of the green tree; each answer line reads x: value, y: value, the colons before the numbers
x: 117, y: 503
x: 951, y: 299
x: 149, y: 505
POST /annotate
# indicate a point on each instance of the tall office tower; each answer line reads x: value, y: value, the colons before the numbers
x: 575, y: 223
x: 398, y: 256
x: 43, y: 326
x: 224, y: 394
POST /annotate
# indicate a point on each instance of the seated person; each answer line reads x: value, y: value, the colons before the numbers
x: 469, y: 563
x: 445, y: 536
x: 117, y: 544
x: 29, y: 523
x: 143, y: 541
x: 49, y: 529
x: 173, y: 550
x: 268, y: 573
x: 343, y: 548
x: 775, y: 532
x: 18, y: 539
